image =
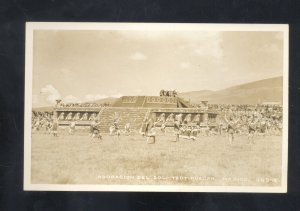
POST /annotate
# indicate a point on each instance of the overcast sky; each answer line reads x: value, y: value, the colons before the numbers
x: 88, y: 65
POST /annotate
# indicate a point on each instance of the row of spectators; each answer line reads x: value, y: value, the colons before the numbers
x: 41, y: 120
x: 244, y: 107
x: 264, y: 119
x: 71, y: 105
x: 168, y: 93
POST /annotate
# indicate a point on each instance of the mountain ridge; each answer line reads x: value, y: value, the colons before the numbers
x: 266, y: 90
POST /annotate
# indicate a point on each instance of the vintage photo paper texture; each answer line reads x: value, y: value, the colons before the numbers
x: 156, y: 107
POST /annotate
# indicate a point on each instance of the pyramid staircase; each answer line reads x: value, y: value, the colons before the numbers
x: 134, y: 116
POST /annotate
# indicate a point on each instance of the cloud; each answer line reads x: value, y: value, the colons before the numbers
x: 92, y: 97
x: 138, y: 56
x: 51, y: 92
x: 71, y: 99
x: 184, y: 65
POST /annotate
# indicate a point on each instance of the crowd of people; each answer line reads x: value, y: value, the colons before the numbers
x: 168, y: 93
x: 259, y: 119
x: 42, y: 121
x: 72, y: 105
x: 232, y: 120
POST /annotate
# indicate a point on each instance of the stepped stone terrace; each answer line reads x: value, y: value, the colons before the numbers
x: 135, y: 110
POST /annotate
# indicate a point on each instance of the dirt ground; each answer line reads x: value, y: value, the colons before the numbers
x: 75, y: 159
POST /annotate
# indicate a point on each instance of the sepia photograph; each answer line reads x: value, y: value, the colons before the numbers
x: 164, y: 107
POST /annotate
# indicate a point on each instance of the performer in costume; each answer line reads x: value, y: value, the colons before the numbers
x: 177, y: 126
x: 150, y: 131
x: 114, y: 128
x: 252, y: 123
x: 143, y: 127
x: 231, y: 127
x: 55, y: 126
x: 127, y: 128
x: 194, y: 132
x: 96, y: 130
x: 92, y: 128
x: 72, y: 127
x: 161, y: 120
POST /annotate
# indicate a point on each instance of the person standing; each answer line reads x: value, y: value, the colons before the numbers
x: 96, y: 130
x: 231, y: 128
x: 127, y: 128
x: 55, y: 126
x: 72, y: 127
x: 150, y: 131
x: 177, y: 126
x: 251, y: 130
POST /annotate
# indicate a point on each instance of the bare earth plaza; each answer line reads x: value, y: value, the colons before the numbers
x: 150, y: 106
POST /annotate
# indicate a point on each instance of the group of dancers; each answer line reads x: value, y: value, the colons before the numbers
x: 182, y: 128
x: 45, y: 121
x: 230, y: 124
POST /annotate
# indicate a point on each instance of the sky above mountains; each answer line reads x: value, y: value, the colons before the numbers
x: 79, y: 66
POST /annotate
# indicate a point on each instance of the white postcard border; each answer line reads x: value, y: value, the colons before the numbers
x: 31, y: 26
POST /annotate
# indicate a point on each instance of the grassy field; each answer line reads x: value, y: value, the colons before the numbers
x: 74, y: 159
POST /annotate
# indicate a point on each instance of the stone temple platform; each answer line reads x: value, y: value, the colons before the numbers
x: 134, y: 110
x: 151, y: 102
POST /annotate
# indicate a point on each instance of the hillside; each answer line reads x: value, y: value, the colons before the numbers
x: 105, y: 100
x: 267, y: 90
